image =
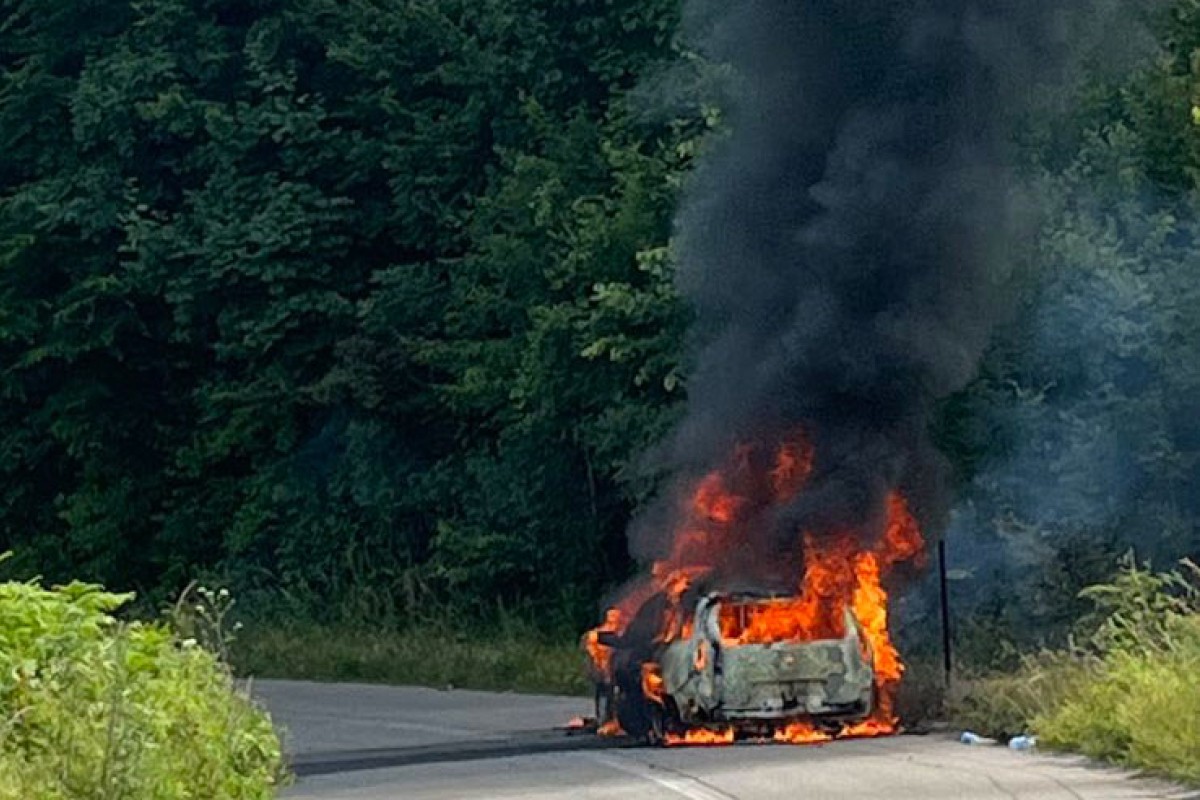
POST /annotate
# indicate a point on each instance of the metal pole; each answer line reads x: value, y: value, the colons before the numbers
x: 944, y: 585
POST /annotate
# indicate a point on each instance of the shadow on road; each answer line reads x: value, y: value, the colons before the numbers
x: 534, y: 743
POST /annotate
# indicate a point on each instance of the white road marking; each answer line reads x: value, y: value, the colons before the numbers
x: 673, y: 781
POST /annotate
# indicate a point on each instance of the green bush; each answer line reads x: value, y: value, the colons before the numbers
x: 1130, y: 695
x: 94, y: 708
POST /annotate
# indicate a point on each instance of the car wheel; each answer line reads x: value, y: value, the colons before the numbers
x: 657, y: 734
x: 635, y: 713
x: 604, y: 703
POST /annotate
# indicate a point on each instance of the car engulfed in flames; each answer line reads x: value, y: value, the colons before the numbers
x: 687, y: 656
x: 710, y: 679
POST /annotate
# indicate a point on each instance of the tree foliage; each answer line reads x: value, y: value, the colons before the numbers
x: 320, y: 291
x: 1082, y: 438
x: 332, y: 295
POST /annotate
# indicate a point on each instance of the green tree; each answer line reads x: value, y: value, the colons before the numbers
x: 325, y: 293
x: 1081, y: 439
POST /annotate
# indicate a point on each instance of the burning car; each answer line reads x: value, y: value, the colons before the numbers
x: 727, y: 637
x: 712, y: 679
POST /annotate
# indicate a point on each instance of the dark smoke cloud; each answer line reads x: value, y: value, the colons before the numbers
x: 846, y: 247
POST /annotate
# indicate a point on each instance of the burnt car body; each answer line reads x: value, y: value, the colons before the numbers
x: 709, y: 680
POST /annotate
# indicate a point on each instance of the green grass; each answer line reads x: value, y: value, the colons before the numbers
x: 1006, y: 705
x: 92, y: 708
x: 1130, y: 696
x: 513, y: 657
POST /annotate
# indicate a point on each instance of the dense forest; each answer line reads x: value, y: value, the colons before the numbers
x: 374, y: 298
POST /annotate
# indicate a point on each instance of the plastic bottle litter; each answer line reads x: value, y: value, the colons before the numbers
x: 974, y: 739
x: 1022, y: 743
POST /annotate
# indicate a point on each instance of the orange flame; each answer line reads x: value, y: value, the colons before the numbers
x: 793, y: 465
x: 713, y: 503
x: 610, y: 728
x: 869, y: 728
x: 801, y: 733
x: 902, y: 541
x: 700, y: 737
x: 601, y: 655
x: 652, y: 682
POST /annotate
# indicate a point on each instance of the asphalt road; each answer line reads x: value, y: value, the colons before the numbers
x: 380, y: 743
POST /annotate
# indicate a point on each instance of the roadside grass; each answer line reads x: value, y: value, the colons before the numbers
x: 512, y: 657
x: 96, y: 708
x: 1130, y: 694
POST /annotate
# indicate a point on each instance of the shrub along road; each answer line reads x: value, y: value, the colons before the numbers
x: 444, y: 740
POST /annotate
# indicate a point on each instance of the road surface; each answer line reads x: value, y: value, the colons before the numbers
x: 354, y: 742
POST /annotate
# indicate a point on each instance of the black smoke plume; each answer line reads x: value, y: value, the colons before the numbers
x: 846, y: 246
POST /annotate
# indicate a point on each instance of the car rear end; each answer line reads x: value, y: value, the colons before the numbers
x: 784, y: 681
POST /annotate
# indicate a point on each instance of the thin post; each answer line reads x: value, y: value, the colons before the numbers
x: 944, y: 586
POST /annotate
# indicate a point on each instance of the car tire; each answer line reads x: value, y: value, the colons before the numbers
x: 633, y: 712
x: 656, y: 736
x: 605, y: 709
